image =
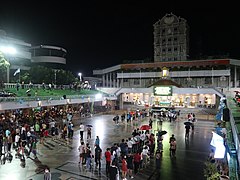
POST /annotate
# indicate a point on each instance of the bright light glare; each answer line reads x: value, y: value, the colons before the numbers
x: 220, y: 152
x: 100, y: 129
x: 228, y: 157
x: 9, y: 50
x: 98, y: 96
x: 217, y: 142
x: 80, y: 74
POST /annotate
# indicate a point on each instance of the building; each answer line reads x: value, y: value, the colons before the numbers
x: 171, y: 49
x: 171, y: 39
x: 23, y: 55
x: 133, y: 82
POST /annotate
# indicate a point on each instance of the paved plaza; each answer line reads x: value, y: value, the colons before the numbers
x: 62, y: 158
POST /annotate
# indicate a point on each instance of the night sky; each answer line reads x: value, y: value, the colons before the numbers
x: 98, y: 34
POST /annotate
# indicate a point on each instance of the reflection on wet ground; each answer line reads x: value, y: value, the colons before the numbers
x: 62, y: 157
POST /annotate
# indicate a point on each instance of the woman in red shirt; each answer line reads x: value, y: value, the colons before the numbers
x: 108, y: 160
x: 124, y: 168
x: 136, y: 160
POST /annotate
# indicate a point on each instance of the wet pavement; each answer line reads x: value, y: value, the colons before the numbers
x: 62, y: 157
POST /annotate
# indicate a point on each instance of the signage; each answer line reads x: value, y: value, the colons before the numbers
x: 162, y: 90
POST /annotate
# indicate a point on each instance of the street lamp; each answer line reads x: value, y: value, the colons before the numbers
x: 7, y: 50
x: 80, y: 76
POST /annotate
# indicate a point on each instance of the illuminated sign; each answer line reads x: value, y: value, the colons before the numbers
x: 162, y: 90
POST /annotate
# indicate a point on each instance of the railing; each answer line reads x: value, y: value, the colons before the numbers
x: 45, y: 98
x: 26, y: 86
x: 234, y: 169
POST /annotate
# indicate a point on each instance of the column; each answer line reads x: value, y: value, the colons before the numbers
x: 110, y: 74
x: 235, y: 76
x: 107, y: 81
x: 103, y: 80
x: 114, y: 79
x: 121, y: 102
x: 118, y: 83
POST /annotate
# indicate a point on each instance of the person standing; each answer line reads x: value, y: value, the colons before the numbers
x: 172, y: 138
x: 81, y: 150
x: 113, y: 172
x: 47, y: 174
x: 98, y: 157
x: 187, y: 130
x: 124, y: 168
x: 81, y: 131
x: 108, y: 160
x: 130, y: 165
x: 136, y: 160
x: 158, y: 159
x: 150, y: 122
x: 89, y: 132
x: 173, y: 147
x: 97, y: 141
x: 88, y: 156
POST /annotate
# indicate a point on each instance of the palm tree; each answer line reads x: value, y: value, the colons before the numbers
x: 4, y: 65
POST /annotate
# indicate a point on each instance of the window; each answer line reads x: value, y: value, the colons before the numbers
x: 136, y: 82
x: 208, y: 81
x: 163, y: 50
x: 169, y: 39
x: 163, y: 41
x: 175, y: 39
x: 175, y: 49
x: 125, y: 80
x: 169, y: 49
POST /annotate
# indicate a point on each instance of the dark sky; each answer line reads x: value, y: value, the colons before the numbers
x: 99, y: 34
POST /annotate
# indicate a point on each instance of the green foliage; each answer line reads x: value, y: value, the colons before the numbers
x: 39, y: 74
x: 210, y: 171
x: 4, y: 64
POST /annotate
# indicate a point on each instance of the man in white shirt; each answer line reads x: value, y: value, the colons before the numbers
x: 81, y: 131
x: 142, y: 138
x: 129, y: 144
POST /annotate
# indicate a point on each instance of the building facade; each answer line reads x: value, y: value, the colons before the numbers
x: 23, y: 55
x: 171, y: 39
x: 171, y: 49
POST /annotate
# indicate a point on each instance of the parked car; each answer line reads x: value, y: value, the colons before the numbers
x: 7, y: 94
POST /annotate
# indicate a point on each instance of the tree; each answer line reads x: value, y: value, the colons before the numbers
x: 39, y: 74
x: 4, y: 64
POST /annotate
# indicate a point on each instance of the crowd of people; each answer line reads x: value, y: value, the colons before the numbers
x: 123, y: 159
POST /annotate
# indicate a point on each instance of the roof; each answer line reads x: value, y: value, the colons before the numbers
x: 165, y: 82
x: 176, y: 64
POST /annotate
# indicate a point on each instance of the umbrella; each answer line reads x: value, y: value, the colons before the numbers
x: 188, y: 123
x: 163, y: 109
x: 145, y: 127
x: 89, y: 125
x: 160, y: 133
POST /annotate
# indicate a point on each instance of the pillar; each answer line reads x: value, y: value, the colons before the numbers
x: 110, y: 79
x: 235, y: 76
x: 114, y: 80
x: 118, y: 83
x: 103, y: 80
x: 107, y: 81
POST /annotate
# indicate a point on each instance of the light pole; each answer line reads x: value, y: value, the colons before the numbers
x: 8, y: 51
x: 80, y: 76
